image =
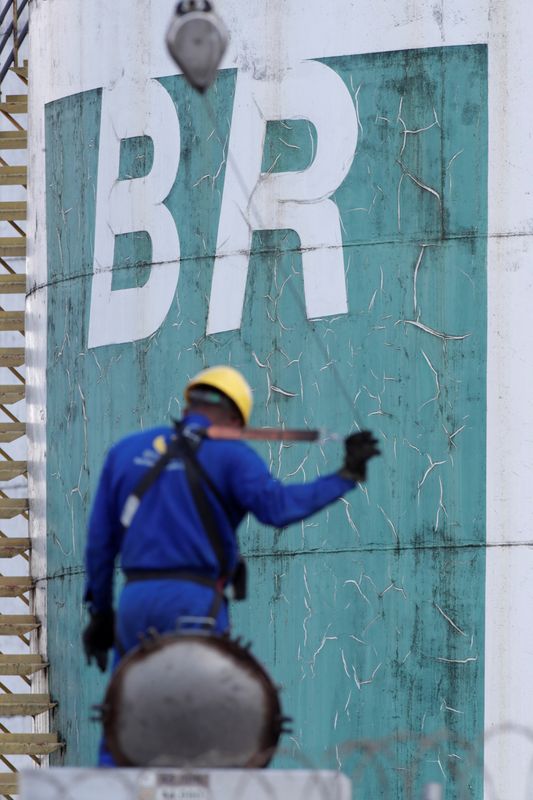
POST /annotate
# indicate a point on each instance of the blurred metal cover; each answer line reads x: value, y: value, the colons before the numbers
x: 192, y: 700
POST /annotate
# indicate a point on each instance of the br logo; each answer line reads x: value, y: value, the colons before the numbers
x: 252, y: 199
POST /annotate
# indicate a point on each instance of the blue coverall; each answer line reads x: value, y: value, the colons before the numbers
x: 166, y: 532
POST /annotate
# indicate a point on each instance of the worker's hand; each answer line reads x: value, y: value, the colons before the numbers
x: 99, y: 637
x: 359, y: 448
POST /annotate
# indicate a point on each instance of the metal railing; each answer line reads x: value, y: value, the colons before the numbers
x: 13, y: 36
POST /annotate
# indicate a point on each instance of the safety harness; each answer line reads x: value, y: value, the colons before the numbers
x: 184, y: 445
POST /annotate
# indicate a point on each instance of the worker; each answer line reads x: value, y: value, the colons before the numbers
x: 169, y: 501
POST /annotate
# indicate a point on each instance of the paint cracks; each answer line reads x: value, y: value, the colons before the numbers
x: 405, y: 171
x: 357, y: 583
x: 441, y: 507
x: 307, y: 603
x: 448, y: 169
x: 449, y: 620
x: 223, y: 161
x: 417, y: 311
x: 390, y: 523
x: 325, y: 638
x: 432, y: 465
x: 433, y: 332
x: 436, y: 378
x: 351, y: 523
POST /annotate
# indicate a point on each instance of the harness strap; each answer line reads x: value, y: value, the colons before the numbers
x: 203, y: 506
x: 134, y: 500
x: 136, y: 575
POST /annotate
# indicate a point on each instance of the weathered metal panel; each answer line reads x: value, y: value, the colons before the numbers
x: 409, y: 354
x: 321, y: 223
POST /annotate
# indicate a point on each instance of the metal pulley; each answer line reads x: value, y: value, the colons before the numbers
x: 197, y: 40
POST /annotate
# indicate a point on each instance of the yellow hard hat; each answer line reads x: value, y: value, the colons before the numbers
x: 228, y: 381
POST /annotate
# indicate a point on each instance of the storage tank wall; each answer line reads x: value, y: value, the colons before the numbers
x: 319, y: 221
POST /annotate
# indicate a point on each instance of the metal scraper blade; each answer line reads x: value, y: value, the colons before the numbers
x: 263, y: 434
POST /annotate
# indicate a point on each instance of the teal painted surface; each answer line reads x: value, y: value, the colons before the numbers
x: 371, y: 614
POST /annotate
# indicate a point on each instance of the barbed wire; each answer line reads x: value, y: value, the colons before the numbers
x: 401, y: 766
x: 442, y: 765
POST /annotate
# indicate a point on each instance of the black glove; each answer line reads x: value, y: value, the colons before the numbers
x: 359, y: 448
x: 99, y: 637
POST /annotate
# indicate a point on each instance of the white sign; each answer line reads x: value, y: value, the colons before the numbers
x: 165, y: 784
